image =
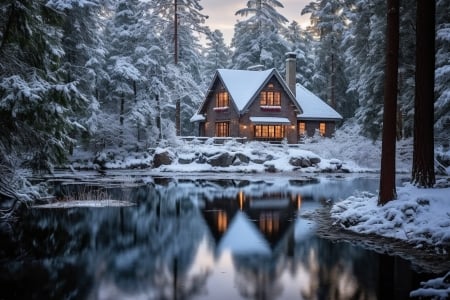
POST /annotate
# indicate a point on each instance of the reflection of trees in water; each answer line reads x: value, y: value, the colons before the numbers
x: 146, y: 249
x: 335, y: 271
x: 258, y: 276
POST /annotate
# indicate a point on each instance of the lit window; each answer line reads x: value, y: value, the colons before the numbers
x: 269, y: 131
x: 222, y: 129
x: 270, y: 98
x: 322, y: 129
x: 302, y: 128
x: 222, y: 99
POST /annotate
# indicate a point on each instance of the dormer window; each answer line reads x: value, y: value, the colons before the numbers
x: 270, y: 97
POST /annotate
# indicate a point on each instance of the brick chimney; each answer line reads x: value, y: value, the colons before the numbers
x: 291, y: 69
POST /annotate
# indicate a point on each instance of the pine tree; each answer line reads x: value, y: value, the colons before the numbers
x: 365, y: 44
x: 423, y: 156
x: 301, y: 43
x: 216, y: 54
x: 258, y: 40
x: 328, y: 23
x: 387, y: 173
x: 36, y: 104
x: 442, y: 74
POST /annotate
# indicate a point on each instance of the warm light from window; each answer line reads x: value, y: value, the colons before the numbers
x: 302, y: 128
x: 241, y: 199
x: 322, y: 129
x: 222, y: 99
x: 222, y: 129
x: 222, y: 221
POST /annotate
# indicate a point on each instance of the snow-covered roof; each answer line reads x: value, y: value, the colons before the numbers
x: 313, y: 107
x: 242, y: 84
x: 269, y: 120
x: 197, y: 117
x: 243, y: 237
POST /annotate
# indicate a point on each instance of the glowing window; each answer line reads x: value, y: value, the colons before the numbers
x: 302, y: 128
x: 269, y: 131
x: 322, y: 128
x: 222, y: 100
x: 222, y: 129
x: 270, y: 98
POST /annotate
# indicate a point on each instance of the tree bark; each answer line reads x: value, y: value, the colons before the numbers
x: 387, y: 175
x: 423, y: 155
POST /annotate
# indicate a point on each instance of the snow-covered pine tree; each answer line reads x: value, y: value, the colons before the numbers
x: 37, y: 105
x: 328, y: 23
x: 84, y: 58
x: 302, y: 44
x: 258, y: 40
x: 442, y: 74
x: 183, y: 85
x: 365, y: 44
x: 216, y: 54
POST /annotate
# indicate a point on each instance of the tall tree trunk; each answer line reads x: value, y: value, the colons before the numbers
x: 387, y: 176
x: 423, y: 156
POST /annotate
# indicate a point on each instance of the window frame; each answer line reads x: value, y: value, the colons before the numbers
x: 302, y: 128
x: 222, y: 99
x: 266, y: 131
x: 222, y: 129
x: 322, y: 128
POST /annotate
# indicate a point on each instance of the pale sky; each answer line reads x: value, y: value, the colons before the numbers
x: 221, y: 14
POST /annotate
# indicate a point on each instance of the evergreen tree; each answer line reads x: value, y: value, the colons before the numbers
x: 387, y: 173
x: 258, y: 40
x: 216, y: 54
x: 301, y: 43
x: 328, y: 23
x: 36, y: 104
x: 365, y: 44
x: 442, y: 74
x: 423, y: 156
x: 183, y: 81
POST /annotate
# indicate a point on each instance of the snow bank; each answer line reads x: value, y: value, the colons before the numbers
x: 438, y: 288
x: 418, y: 216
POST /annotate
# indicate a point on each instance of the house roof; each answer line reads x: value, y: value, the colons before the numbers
x: 313, y: 107
x: 243, y: 85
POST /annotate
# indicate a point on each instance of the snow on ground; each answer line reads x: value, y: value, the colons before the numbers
x: 419, y: 216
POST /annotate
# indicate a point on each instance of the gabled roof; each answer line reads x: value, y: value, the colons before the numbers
x: 244, y: 86
x: 313, y: 107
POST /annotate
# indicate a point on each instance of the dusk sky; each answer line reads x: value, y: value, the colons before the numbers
x: 221, y: 14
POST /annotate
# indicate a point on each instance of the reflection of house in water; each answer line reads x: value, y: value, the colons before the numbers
x: 270, y: 216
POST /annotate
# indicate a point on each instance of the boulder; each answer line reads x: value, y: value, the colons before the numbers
x: 223, y: 159
x: 164, y: 157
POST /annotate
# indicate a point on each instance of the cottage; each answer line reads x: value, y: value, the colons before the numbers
x: 261, y: 105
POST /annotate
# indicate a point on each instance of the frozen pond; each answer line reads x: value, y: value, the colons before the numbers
x: 217, y: 237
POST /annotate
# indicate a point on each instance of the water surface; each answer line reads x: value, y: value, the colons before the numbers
x: 195, y: 238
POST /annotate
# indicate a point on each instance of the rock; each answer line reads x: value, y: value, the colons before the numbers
x: 185, y: 160
x: 242, y: 157
x: 163, y: 158
x: 314, y: 160
x: 270, y: 168
x: 295, y: 161
x: 223, y: 159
